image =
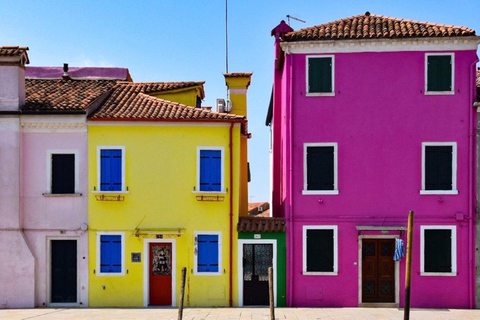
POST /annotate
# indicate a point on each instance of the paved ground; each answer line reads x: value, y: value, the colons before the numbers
x: 241, y: 313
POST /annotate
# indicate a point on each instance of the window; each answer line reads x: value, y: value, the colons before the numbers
x: 439, y: 168
x: 320, y: 75
x: 62, y: 171
x: 439, y: 73
x: 438, y: 250
x: 210, y: 169
x: 320, y: 250
x: 110, y: 253
x: 320, y: 168
x: 111, y: 162
x: 208, y: 253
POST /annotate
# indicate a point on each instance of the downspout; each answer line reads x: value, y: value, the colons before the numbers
x: 472, y: 188
x: 230, y: 272
x: 290, y: 230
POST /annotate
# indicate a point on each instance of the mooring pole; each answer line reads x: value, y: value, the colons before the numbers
x: 182, y: 294
x: 270, y: 290
x: 408, y: 276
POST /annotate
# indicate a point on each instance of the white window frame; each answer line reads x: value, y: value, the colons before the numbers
x: 99, y: 254
x: 222, y: 188
x: 50, y: 153
x: 452, y: 56
x: 195, y: 253
x: 454, y: 168
x: 99, y: 168
x: 453, y: 244
x: 316, y: 94
x: 335, y: 249
x: 335, y: 168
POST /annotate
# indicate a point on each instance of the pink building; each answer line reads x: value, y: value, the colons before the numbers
x: 373, y: 117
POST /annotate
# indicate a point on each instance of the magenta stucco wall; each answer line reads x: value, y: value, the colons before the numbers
x: 379, y: 118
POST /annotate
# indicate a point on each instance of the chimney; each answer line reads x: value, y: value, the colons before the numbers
x: 237, y: 84
x: 12, y: 77
x: 65, y: 75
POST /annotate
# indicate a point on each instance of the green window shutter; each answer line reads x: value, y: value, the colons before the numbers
x: 320, y: 75
x: 439, y: 73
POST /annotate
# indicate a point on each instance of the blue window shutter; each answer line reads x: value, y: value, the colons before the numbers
x: 210, y: 170
x: 207, y: 259
x: 111, y: 170
x: 110, y: 254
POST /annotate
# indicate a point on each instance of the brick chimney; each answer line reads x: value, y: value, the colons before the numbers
x: 237, y: 84
x: 12, y: 77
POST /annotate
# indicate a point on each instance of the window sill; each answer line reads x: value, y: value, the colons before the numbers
x: 439, y: 192
x: 109, y: 192
x: 438, y: 274
x: 113, y: 274
x: 61, y: 195
x: 305, y: 273
x: 210, y: 192
x: 439, y: 93
x: 320, y: 94
x: 319, y: 192
x: 195, y: 273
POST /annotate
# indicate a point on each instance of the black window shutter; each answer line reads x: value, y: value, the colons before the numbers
x: 320, y: 250
x: 320, y: 168
x: 320, y: 75
x: 439, y: 73
x: 438, y: 167
x: 63, y: 173
x: 438, y: 250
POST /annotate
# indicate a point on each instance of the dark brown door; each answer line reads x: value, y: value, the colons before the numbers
x: 378, y: 270
x: 160, y: 274
x: 257, y: 258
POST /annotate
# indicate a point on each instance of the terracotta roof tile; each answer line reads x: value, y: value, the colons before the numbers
x: 131, y: 101
x: 238, y: 74
x: 371, y: 26
x: 55, y: 95
x: 255, y: 211
x: 251, y: 224
x: 12, y: 51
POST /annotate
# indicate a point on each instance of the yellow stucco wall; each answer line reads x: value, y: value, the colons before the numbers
x: 186, y: 96
x: 161, y: 171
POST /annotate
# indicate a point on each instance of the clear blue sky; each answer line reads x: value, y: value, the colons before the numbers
x: 179, y: 40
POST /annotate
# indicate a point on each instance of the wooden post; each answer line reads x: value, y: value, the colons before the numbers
x: 182, y: 294
x: 408, y: 275
x: 270, y: 290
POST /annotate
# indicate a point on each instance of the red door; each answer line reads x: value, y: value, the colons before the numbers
x: 161, y: 274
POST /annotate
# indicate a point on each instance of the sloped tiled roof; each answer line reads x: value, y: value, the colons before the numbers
x: 253, y: 224
x: 12, y: 51
x: 253, y: 209
x: 371, y: 26
x: 58, y: 95
x: 104, y: 73
x: 132, y: 101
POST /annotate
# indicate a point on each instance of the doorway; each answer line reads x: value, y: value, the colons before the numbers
x: 63, y: 271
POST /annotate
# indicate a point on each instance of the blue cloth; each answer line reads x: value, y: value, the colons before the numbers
x: 399, y: 250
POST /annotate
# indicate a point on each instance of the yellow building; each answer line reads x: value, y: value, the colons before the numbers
x: 168, y: 182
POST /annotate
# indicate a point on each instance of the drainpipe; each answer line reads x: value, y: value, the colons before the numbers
x: 230, y: 272
x: 472, y: 189
x: 290, y: 230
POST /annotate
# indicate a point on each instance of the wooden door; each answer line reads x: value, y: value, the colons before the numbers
x: 257, y: 258
x: 378, y: 270
x: 63, y: 271
x: 160, y: 274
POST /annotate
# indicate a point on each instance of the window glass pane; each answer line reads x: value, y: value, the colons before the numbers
x: 320, y: 168
x: 207, y: 256
x: 320, y: 250
x: 320, y: 75
x: 439, y: 73
x: 111, y: 253
x: 210, y: 170
x: 438, y: 250
x: 111, y: 170
x: 63, y: 173
x: 438, y: 167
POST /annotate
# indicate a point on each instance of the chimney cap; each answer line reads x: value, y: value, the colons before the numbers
x: 65, y: 75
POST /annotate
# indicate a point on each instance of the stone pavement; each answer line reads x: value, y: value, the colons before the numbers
x: 241, y: 313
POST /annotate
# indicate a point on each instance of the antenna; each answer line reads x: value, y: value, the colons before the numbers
x: 226, y: 36
x: 290, y: 17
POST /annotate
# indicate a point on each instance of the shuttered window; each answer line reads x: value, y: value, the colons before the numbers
x: 210, y: 170
x: 110, y: 254
x: 63, y: 173
x: 111, y: 170
x: 207, y: 253
x: 438, y: 251
x: 320, y: 250
x: 320, y: 173
x: 439, y: 73
x: 320, y: 74
x: 438, y: 167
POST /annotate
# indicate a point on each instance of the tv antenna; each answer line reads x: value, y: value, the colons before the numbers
x: 290, y: 17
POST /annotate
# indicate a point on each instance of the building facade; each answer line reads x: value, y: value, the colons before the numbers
x: 373, y: 117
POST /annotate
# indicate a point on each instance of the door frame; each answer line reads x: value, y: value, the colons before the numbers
x: 146, y: 269
x: 396, y: 273
x: 49, y: 272
x: 241, y: 242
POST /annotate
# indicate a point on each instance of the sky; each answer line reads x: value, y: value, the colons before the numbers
x: 184, y: 40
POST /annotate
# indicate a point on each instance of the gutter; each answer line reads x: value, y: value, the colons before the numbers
x: 230, y: 271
